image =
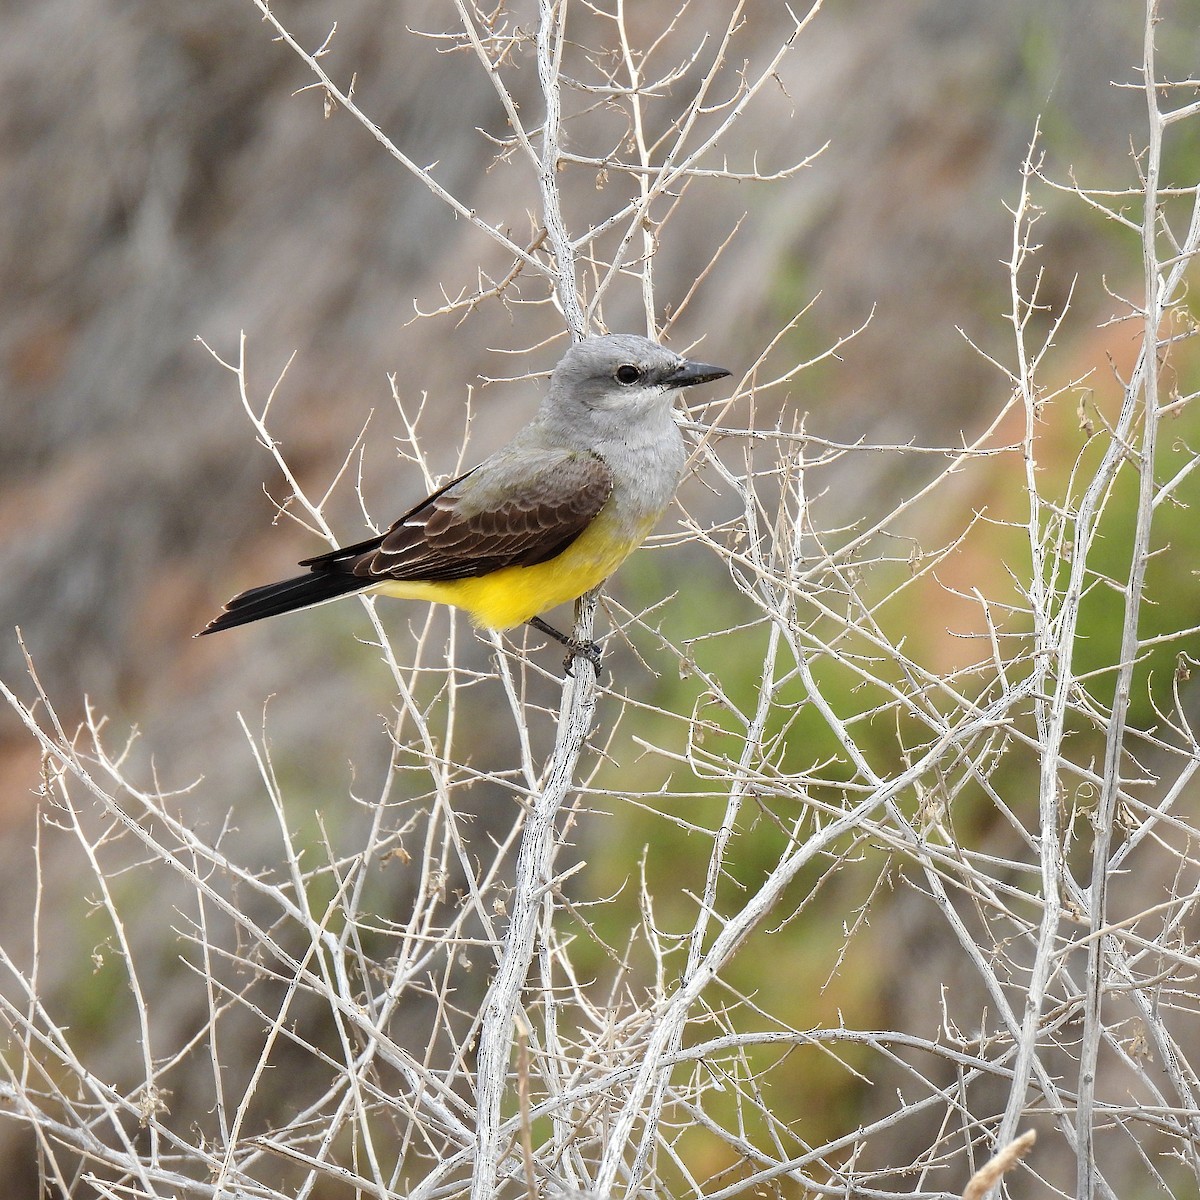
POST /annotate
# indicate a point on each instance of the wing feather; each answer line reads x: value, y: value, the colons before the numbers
x: 476, y: 525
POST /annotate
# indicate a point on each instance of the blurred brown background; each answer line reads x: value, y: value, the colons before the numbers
x: 160, y: 180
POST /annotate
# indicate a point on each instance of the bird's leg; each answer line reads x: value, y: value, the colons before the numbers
x: 588, y: 650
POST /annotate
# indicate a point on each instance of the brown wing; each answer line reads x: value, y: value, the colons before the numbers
x: 476, y: 525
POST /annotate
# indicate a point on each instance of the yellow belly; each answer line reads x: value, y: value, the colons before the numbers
x: 512, y: 595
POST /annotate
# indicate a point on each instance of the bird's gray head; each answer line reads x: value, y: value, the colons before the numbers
x: 623, y: 374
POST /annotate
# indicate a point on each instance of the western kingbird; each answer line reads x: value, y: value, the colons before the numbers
x: 544, y: 519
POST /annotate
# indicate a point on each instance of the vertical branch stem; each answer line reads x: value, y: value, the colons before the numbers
x: 1144, y: 457
x: 1050, y: 710
x: 549, y: 60
x: 533, y: 874
x: 643, y: 178
x: 536, y: 854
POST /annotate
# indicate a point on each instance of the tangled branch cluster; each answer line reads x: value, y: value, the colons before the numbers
x: 510, y: 1030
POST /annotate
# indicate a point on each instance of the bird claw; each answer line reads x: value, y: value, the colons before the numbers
x: 585, y: 650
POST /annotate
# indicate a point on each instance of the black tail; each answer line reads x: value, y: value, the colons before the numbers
x: 286, y: 596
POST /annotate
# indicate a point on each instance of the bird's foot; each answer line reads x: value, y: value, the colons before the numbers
x: 575, y: 649
x: 586, y: 650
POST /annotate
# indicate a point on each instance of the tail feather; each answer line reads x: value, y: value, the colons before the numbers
x: 286, y: 596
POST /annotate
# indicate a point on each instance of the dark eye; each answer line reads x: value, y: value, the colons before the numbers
x: 628, y: 374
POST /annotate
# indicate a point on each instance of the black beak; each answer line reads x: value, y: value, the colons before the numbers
x: 688, y: 374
